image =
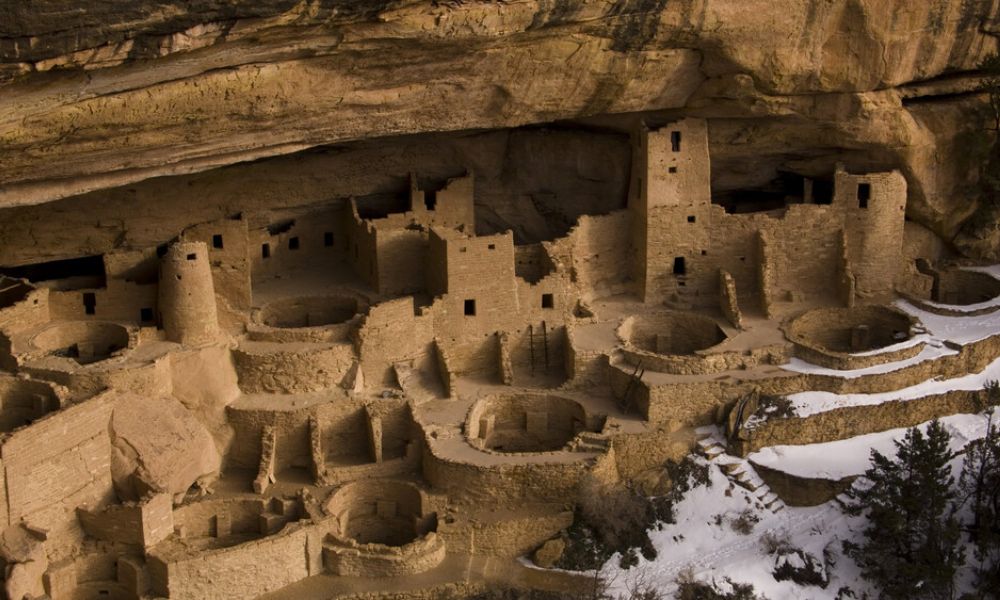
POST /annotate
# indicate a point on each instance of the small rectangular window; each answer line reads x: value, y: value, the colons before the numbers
x: 293, y: 243
x: 192, y: 256
x: 146, y: 315
x: 864, y: 194
x: 691, y: 219
x: 680, y: 268
x: 89, y: 303
x: 470, y: 308
x: 217, y: 241
x: 265, y: 250
x: 548, y: 301
x: 671, y: 169
x: 675, y: 141
x: 492, y: 246
x: 328, y: 239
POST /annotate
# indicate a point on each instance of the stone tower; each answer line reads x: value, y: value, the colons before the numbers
x: 671, y: 210
x: 874, y: 206
x: 187, y: 294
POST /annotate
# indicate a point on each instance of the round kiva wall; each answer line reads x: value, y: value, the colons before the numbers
x: 311, y: 311
x: 381, y: 528
x: 84, y: 341
x: 672, y: 333
x: 962, y: 288
x: 522, y: 423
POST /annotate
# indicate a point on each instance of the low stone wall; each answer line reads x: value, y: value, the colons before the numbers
x: 291, y: 368
x: 708, y: 361
x: 143, y: 524
x: 246, y: 570
x: 695, y: 403
x: 348, y: 558
x: 852, y: 421
x: 503, y: 484
x: 801, y: 491
x: 510, y: 536
x: 825, y: 336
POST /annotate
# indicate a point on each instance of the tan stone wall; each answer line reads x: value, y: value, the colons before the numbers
x: 276, y: 368
x: 509, y: 537
x: 801, y: 491
x: 875, y: 232
x: 230, y: 264
x: 59, y: 463
x: 187, y: 294
x: 310, y: 228
x: 847, y: 422
x: 29, y: 312
x: 503, y: 484
x: 242, y: 571
x: 143, y: 524
x: 391, y: 332
x: 601, y: 249
x: 675, y: 208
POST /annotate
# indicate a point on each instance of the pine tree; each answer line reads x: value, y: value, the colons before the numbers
x: 911, y: 543
x: 980, y: 487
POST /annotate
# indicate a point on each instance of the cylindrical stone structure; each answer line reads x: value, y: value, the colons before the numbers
x: 187, y: 294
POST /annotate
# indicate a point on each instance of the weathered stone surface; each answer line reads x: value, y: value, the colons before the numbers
x: 549, y: 553
x: 158, y: 445
x: 98, y: 100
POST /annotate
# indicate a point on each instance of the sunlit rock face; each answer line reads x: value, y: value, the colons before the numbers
x: 99, y: 96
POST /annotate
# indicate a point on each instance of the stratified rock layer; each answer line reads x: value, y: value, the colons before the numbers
x: 99, y: 97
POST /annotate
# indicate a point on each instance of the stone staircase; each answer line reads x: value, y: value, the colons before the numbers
x: 712, y: 446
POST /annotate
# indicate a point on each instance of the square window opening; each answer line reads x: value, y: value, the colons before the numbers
x: 671, y: 169
x: 293, y: 243
x: 217, y: 241
x: 492, y: 246
x: 470, y: 308
x: 680, y: 266
x: 89, y: 303
x: 548, y: 301
x: 328, y: 239
x: 864, y: 194
x: 193, y: 256
x: 691, y: 219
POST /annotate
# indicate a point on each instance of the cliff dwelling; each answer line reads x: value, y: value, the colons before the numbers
x: 344, y: 325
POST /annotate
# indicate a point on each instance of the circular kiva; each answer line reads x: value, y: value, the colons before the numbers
x: 381, y: 526
x: 960, y: 287
x: 850, y: 338
x: 524, y: 423
x: 308, y: 311
x: 84, y: 341
x: 672, y: 333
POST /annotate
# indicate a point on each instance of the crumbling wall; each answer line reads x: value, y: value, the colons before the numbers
x: 22, y: 306
x: 143, y: 523
x: 243, y: 571
x: 601, y: 246
x: 391, y: 332
x: 319, y: 233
